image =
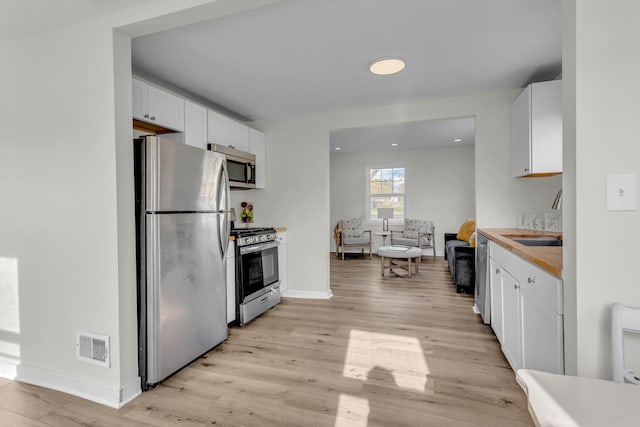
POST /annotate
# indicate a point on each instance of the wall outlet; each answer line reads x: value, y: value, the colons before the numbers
x: 621, y: 192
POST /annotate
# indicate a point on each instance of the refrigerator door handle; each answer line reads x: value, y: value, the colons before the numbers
x: 224, y: 231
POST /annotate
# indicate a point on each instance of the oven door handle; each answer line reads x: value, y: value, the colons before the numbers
x: 259, y: 247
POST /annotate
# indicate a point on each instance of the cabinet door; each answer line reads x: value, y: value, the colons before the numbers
x: 511, y: 319
x: 140, y: 97
x: 536, y: 130
x: 521, y: 134
x: 542, y: 336
x: 231, y: 287
x: 282, y: 261
x: 546, y: 127
x: 218, y: 128
x: 166, y: 109
x: 239, y: 136
x: 257, y: 146
x: 195, y: 125
x: 495, y: 282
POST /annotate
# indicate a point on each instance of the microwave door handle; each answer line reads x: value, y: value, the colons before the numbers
x: 249, y: 173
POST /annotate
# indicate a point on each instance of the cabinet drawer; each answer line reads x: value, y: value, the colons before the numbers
x: 543, y: 287
x: 535, y: 282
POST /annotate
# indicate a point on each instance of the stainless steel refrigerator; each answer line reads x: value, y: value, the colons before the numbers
x: 182, y: 202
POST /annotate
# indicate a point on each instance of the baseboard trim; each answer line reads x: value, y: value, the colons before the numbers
x: 292, y: 293
x: 8, y: 370
x: 109, y: 396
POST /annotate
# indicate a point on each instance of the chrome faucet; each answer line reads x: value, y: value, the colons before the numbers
x: 557, y: 201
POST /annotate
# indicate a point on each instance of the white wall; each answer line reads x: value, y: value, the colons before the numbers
x: 440, y: 186
x: 601, y: 101
x: 59, y: 196
x: 298, y: 168
x: 67, y: 196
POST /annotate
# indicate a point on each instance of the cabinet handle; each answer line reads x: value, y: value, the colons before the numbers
x: 146, y: 116
x: 531, y: 281
x: 232, y: 146
x: 516, y: 286
x: 526, y: 169
x: 497, y: 271
x: 153, y: 117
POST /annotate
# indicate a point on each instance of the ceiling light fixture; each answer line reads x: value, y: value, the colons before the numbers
x: 395, y: 144
x: 387, y: 65
x: 457, y: 140
x: 338, y: 148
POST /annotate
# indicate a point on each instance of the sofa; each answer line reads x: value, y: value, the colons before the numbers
x: 461, y: 259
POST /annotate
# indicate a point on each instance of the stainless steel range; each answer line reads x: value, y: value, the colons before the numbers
x: 257, y: 279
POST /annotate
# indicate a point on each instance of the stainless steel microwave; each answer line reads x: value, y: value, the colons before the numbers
x: 241, y: 166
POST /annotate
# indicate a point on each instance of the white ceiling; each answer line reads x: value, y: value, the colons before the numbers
x: 22, y: 17
x: 308, y: 56
x: 302, y: 57
x: 408, y: 136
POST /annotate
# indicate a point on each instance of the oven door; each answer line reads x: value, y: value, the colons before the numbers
x: 257, y: 269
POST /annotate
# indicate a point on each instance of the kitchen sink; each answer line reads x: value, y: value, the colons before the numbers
x: 537, y: 241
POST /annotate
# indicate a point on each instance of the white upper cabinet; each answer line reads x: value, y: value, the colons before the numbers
x: 257, y: 146
x: 156, y: 106
x: 239, y: 136
x: 218, y: 132
x: 227, y: 132
x: 195, y: 125
x: 140, y: 99
x: 536, y: 130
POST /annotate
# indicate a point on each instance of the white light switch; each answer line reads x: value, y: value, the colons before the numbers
x: 621, y: 192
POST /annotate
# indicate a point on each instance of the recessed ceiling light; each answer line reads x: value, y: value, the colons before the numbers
x: 338, y: 148
x: 387, y: 65
x: 457, y: 140
x: 395, y: 144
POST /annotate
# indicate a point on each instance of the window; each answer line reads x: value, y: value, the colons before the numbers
x: 385, y: 189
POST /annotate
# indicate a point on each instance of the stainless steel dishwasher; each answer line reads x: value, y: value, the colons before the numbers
x: 482, y: 296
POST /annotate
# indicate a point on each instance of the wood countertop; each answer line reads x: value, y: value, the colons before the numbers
x: 548, y: 258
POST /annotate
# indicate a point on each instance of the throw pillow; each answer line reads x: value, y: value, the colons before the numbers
x: 466, y: 229
x: 351, y: 227
x: 413, y: 227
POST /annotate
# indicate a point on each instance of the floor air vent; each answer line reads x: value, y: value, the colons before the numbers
x: 93, y: 348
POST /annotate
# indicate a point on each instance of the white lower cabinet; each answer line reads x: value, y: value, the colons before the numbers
x: 281, y: 236
x: 526, y: 312
x: 231, y: 284
x: 495, y: 282
x: 511, y: 319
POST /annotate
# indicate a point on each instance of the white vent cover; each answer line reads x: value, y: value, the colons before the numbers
x: 93, y: 348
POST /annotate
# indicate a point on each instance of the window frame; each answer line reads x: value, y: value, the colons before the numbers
x: 367, y: 194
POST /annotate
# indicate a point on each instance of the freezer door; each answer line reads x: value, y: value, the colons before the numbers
x: 186, y: 290
x: 180, y: 177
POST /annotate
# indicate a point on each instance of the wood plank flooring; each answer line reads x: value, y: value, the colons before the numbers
x: 392, y: 351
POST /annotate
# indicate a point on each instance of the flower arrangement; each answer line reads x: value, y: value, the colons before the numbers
x: 247, y: 212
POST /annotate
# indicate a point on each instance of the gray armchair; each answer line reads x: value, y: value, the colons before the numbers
x: 416, y: 232
x: 348, y: 234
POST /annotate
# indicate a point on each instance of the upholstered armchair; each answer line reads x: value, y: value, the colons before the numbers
x: 416, y: 232
x: 349, y: 234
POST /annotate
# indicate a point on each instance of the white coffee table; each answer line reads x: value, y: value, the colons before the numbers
x: 399, y: 257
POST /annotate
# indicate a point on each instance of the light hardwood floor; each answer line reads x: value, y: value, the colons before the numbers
x: 383, y: 351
